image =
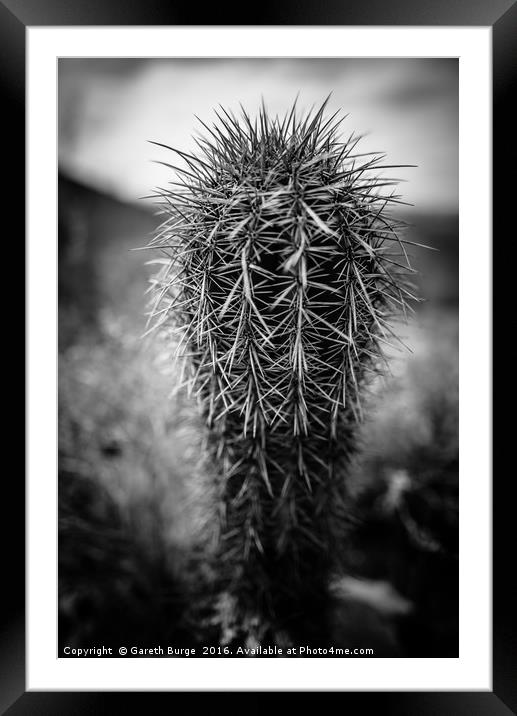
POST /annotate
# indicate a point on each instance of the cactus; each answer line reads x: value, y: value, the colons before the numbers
x: 283, y: 268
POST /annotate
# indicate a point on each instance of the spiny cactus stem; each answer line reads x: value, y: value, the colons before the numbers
x: 285, y: 271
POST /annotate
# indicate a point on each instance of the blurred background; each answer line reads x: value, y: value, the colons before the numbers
x: 131, y: 512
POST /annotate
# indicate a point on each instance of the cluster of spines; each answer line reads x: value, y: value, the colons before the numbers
x: 283, y: 270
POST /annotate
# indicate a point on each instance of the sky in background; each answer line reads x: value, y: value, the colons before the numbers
x: 109, y: 109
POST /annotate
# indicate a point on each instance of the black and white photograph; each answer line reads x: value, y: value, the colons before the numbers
x: 258, y: 357
x: 259, y: 255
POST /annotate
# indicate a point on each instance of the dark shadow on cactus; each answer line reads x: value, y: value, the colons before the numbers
x: 283, y: 267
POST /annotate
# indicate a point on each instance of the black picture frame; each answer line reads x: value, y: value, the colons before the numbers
x: 501, y: 15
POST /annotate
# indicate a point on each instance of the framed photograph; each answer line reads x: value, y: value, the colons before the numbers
x: 259, y: 357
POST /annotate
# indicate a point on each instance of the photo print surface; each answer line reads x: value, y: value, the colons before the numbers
x: 258, y: 357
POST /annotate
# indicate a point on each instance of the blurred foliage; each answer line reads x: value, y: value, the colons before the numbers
x: 406, y: 490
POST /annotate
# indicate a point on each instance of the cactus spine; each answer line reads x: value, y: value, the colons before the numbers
x: 283, y: 271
